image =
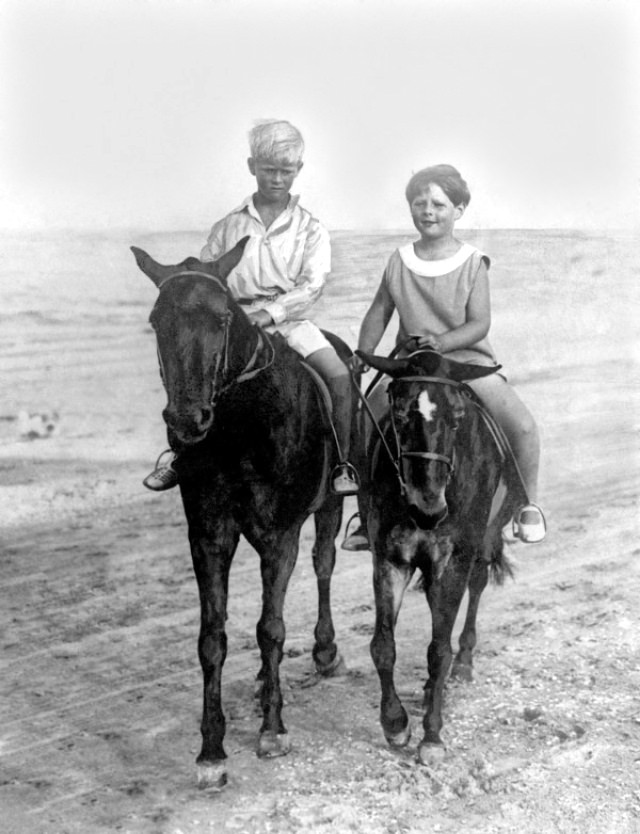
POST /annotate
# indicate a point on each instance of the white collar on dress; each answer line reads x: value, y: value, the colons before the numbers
x: 432, y: 269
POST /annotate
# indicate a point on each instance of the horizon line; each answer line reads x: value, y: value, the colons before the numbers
x: 145, y: 230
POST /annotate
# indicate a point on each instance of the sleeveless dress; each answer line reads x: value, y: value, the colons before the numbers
x: 431, y: 296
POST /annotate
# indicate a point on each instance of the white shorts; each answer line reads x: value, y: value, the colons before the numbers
x: 303, y: 336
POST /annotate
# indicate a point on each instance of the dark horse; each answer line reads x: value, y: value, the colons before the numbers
x: 248, y: 422
x: 436, y: 467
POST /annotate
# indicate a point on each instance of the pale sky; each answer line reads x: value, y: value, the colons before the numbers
x: 135, y: 112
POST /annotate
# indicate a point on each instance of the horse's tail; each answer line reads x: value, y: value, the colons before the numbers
x: 500, y: 566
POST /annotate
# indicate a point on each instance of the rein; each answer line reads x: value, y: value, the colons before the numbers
x: 251, y: 369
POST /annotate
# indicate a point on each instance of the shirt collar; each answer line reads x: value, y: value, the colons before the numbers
x: 434, y: 268
x: 247, y: 206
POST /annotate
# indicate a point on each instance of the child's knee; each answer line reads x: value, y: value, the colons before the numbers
x: 526, y: 430
x: 340, y: 371
x: 528, y: 426
x: 328, y: 363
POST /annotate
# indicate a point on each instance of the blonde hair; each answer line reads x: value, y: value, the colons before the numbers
x: 278, y: 140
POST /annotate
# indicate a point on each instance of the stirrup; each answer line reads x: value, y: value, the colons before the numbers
x: 357, y: 539
x: 529, y: 524
x: 344, y: 479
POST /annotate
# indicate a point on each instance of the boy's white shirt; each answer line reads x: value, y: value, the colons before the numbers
x: 284, y: 268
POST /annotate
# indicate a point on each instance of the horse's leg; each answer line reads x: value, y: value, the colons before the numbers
x: 462, y: 668
x: 328, y: 518
x: 444, y: 596
x: 277, y: 559
x: 212, y: 551
x: 390, y: 581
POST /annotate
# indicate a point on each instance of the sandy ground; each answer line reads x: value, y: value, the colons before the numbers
x: 100, y: 684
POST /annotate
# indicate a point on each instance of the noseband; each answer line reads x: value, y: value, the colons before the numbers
x: 221, y: 381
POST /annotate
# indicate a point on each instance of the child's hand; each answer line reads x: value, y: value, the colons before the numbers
x: 357, y: 365
x: 430, y: 342
x: 261, y: 317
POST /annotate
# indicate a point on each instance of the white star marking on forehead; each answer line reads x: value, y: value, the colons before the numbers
x: 426, y: 407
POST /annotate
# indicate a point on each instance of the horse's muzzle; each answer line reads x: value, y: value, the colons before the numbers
x: 189, y: 427
x: 426, y: 520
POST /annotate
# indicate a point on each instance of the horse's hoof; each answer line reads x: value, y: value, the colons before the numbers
x: 430, y: 754
x: 271, y: 745
x: 212, y: 776
x: 399, y: 740
x: 337, y: 668
x: 462, y: 672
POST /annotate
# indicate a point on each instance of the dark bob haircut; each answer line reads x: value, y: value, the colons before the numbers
x: 447, y: 177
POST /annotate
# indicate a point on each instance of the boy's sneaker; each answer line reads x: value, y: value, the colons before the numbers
x: 164, y: 476
x: 344, y: 480
x: 529, y: 524
x: 356, y: 539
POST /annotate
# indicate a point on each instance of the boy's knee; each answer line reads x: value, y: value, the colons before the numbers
x: 328, y: 363
x: 340, y: 371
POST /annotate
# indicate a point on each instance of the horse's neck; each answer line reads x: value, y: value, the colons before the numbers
x: 243, y: 340
x: 280, y: 373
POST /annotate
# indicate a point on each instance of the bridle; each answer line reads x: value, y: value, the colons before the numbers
x: 401, y: 455
x: 221, y: 378
x: 397, y: 457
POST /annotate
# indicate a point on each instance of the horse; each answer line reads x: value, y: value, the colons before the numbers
x: 439, y: 487
x: 254, y: 447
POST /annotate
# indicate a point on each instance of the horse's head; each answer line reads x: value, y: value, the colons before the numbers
x: 191, y: 319
x: 428, y: 406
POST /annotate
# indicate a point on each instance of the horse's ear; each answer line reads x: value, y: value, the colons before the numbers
x: 463, y: 371
x: 230, y: 260
x: 152, y: 269
x: 392, y: 367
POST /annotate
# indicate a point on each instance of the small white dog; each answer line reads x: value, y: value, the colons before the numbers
x: 33, y: 424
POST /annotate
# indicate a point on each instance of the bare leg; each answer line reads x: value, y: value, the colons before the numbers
x: 334, y: 372
x: 517, y: 422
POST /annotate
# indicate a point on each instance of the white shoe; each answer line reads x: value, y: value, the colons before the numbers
x: 344, y: 479
x: 529, y: 524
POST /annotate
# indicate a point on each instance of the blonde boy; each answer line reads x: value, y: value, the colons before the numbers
x: 282, y: 273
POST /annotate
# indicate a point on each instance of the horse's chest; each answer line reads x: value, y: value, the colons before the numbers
x: 412, y: 545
